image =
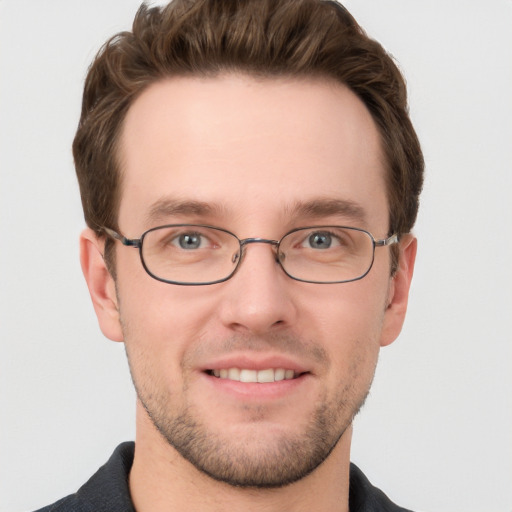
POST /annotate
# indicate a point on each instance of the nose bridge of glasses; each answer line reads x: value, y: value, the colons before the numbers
x: 247, y: 241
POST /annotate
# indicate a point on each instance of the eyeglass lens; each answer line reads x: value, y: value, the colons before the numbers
x: 190, y: 254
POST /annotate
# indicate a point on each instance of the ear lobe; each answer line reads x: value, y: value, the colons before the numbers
x: 101, y: 284
x: 398, y: 293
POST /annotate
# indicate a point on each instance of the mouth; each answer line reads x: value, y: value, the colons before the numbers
x: 255, y: 376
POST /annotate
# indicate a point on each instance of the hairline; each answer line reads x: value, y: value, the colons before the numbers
x: 311, y: 76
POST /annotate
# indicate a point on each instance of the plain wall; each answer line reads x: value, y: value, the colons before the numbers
x: 436, y: 432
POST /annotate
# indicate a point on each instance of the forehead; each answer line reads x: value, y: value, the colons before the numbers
x: 253, y: 148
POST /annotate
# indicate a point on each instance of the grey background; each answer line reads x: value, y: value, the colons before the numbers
x: 436, y: 431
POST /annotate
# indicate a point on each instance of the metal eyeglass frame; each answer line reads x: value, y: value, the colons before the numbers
x: 138, y: 242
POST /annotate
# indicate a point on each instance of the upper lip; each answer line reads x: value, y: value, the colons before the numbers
x: 255, y: 362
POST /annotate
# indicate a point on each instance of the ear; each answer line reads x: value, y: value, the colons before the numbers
x: 398, y: 293
x: 101, y: 284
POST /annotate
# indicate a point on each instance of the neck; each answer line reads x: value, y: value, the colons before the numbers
x: 161, y: 479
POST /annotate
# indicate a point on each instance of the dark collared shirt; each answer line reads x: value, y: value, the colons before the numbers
x: 107, y: 490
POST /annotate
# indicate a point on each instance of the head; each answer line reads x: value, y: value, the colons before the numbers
x: 263, y: 38
x: 258, y: 117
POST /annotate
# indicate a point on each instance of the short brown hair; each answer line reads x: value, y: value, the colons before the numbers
x: 267, y: 38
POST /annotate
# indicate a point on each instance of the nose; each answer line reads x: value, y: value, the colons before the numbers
x: 258, y: 298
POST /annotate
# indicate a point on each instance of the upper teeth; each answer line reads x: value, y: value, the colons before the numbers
x: 244, y: 375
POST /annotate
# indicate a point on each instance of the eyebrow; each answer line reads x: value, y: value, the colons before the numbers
x: 167, y: 207
x: 316, y: 208
x: 325, y: 207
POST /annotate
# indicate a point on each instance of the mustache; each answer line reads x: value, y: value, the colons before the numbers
x: 279, y: 343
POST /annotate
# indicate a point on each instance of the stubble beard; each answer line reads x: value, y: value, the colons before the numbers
x: 284, y: 461
x: 234, y: 459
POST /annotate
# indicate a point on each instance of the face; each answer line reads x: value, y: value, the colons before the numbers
x: 258, y: 158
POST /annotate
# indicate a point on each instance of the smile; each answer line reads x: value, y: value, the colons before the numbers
x: 261, y: 376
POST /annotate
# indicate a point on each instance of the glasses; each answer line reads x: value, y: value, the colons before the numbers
x: 190, y: 254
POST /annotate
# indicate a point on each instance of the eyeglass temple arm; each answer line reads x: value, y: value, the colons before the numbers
x: 393, y: 239
x: 129, y: 242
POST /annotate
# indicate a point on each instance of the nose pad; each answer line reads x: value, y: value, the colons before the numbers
x: 277, y: 256
x: 274, y: 250
x: 238, y: 256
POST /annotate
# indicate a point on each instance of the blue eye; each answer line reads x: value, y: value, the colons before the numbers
x: 190, y: 241
x: 320, y: 240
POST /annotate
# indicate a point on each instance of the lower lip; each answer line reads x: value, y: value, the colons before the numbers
x: 256, y: 390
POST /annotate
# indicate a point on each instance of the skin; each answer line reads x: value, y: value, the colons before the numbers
x: 254, y: 149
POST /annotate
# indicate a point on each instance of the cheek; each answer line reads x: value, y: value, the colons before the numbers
x: 355, y: 309
x: 350, y: 322
x: 160, y: 321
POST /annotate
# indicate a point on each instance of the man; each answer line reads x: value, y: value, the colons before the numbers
x: 250, y: 179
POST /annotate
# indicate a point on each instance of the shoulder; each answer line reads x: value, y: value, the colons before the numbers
x: 106, y: 491
x: 69, y: 503
x: 364, y: 497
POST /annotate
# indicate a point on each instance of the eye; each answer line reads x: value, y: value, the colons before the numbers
x: 184, y: 240
x: 190, y: 241
x: 321, y: 240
